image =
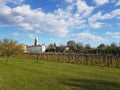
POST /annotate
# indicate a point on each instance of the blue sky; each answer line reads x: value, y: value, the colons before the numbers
x: 86, y: 21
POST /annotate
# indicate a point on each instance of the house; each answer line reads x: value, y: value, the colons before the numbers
x: 36, y: 48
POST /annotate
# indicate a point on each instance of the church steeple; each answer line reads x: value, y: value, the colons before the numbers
x: 36, y: 41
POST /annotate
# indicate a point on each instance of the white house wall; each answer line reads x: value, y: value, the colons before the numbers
x: 36, y: 49
x: 43, y: 48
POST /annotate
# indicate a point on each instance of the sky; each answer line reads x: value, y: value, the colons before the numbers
x: 85, y: 21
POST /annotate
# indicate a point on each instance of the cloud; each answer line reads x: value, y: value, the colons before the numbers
x: 25, y: 18
x: 69, y: 1
x: 12, y: 1
x: 35, y: 20
x: 24, y: 35
x: 94, y: 20
x: 100, y: 16
x: 101, y: 2
x: 113, y: 1
x: 117, y: 3
x: 114, y: 35
x: 77, y: 15
x: 97, y: 20
x: 83, y: 8
x: 29, y: 35
x: 96, y: 25
x: 116, y: 13
x: 86, y: 36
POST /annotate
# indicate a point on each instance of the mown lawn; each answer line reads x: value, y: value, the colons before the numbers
x: 23, y: 74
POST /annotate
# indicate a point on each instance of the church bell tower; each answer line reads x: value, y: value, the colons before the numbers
x: 36, y: 41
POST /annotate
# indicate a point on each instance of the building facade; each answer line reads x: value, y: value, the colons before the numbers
x: 36, y: 48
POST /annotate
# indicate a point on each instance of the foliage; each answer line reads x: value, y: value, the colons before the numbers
x: 101, y: 48
x: 72, y: 46
x: 51, y: 48
x: 10, y: 47
x: 60, y: 49
x: 79, y: 47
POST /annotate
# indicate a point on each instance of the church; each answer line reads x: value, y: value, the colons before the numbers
x: 36, y: 48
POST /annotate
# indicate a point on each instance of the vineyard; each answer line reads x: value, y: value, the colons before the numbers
x: 108, y: 60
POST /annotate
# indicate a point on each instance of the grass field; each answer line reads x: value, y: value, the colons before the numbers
x: 23, y: 74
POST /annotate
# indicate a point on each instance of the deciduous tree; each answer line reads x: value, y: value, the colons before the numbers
x: 10, y: 47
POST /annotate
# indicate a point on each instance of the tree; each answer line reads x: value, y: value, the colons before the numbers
x: 60, y: 48
x: 71, y: 43
x: 101, y: 48
x: 10, y: 47
x: 80, y: 47
x: 87, y: 47
x: 109, y: 49
x: 72, y: 46
x: 114, y: 45
x: 51, y: 47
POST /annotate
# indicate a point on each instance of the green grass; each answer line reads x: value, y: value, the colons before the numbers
x: 23, y: 74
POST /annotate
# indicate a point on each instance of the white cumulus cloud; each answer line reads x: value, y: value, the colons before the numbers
x: 32, y: 20
x: 83, y: 8
x: 101, y: 2
x: 87, y: 36
x: 35, y: 20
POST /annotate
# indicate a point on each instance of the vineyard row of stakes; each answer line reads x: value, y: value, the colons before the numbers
x: 108, y: 60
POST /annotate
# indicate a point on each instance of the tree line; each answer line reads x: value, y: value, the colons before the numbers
x: 10, y: 47
x: 73, y: 47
